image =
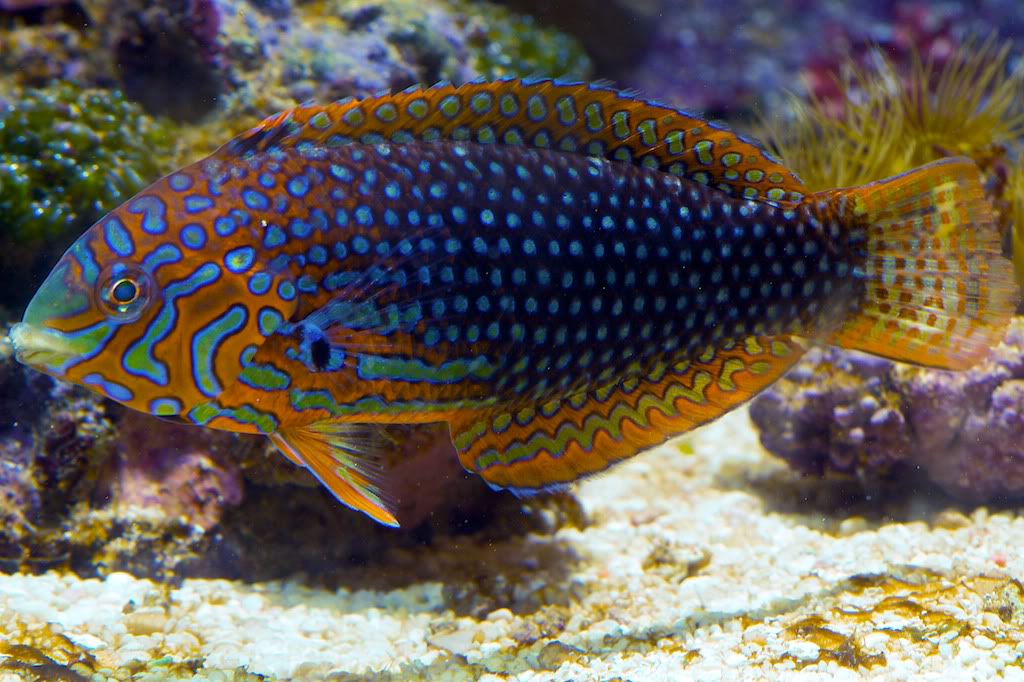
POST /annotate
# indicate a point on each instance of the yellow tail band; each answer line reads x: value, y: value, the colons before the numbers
x: 938, y: 290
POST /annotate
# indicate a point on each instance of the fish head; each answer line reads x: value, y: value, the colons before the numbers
x: 157, y: 306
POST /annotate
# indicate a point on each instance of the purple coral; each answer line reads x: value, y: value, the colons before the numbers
x: 167, y: 54
x: 49, y: 433
x: 183, y: 471
x: 842, y: 411
x: 726, y: 58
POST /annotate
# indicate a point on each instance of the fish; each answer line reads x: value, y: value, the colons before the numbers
x: 563, y: 273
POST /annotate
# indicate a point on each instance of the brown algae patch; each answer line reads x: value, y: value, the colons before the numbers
x: 832, y: 645
x: 933, y: 614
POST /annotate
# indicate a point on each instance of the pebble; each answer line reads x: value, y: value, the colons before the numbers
x: 875, y: 640
x: 459, y: 642
x: 500, y: 614
x: 146, y: 621
x: 984, y: 643
x: 86, y: 641
x: 968, y: 653
x: 804, y: 650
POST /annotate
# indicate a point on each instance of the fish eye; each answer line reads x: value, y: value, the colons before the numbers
x: 123, y: 291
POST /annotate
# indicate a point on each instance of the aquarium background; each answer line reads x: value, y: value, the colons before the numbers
x: 860, y: 519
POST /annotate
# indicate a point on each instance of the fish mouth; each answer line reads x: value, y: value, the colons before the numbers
x: 42, y: 348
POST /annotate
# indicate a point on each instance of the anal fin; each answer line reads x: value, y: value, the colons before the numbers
x: 342, y: 456
x: 534, y: 449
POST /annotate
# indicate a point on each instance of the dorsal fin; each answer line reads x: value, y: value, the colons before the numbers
x: 590, y: 119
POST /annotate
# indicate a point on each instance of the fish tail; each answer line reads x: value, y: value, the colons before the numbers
x: 937, y: 290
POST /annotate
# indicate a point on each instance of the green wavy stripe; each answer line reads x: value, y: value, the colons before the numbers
x: 585, y: 437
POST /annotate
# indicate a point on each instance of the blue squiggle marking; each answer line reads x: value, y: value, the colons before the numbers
x: 197, y: 203
x: 206, y: 344
x: 269, y: 321
x: 225, y: 226
x: 239, y: 260
x: 193, y: 236
x: 117, y: 237
x: 154, y: 213
x: 99, y: 334
x: 82, y: 252
x: 111, y: 389
x: 138, y: 360
x: 265, y: 377
x: 165, y: 254
x: 180, y: 182
x: 165, y: 407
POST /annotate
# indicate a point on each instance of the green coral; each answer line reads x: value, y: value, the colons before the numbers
x: 68, y: 155
x: 511, y: 44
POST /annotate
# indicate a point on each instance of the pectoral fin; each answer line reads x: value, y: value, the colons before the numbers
x: 347, y: 459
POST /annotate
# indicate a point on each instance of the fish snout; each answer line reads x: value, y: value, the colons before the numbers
x: 43, y: 349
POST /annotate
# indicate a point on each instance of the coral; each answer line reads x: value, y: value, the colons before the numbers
x: 615, y: 34
x: 20, y: 5
x: 37, y: 55
x: 195, y: 60
x: 915, y: 30
x: 167, y: 55
x: 58, y: 434
x: 735, y: 60
x: 844, y: 412
x: 361, y: 47
x: 67, y: 155
x: 882, y: 125
x: 503, y: 43
x: 186, y: 473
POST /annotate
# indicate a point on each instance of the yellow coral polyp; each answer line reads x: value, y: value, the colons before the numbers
x: 1015, y: 192
x: 888, y: 125
x: 971, y: 105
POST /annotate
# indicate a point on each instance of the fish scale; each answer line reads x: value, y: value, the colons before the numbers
x: 564, y: 274
x: 515, y: 288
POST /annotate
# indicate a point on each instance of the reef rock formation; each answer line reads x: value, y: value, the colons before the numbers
x: 844, y: 412
x: 189, y: 59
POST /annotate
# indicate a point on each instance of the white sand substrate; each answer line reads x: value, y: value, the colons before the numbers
x: 704, y: 560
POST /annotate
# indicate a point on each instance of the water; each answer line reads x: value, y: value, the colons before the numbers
x: 858, y: 517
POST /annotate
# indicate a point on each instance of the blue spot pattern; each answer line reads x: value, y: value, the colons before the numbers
x: 531, y: 259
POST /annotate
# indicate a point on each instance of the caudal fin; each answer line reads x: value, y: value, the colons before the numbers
x: 938, y: 290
